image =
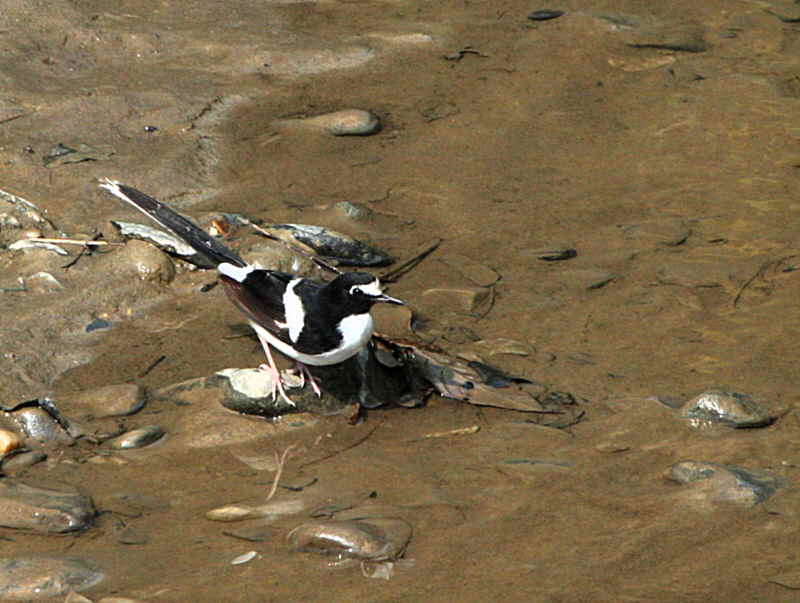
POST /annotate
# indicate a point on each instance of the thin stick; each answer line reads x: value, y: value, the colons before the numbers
x: 395, y: 273
x: 280, y: 462
x: 84, y: 243
x: 346, y: 448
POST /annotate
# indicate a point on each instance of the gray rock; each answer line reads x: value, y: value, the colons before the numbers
x: 44, y: 510
x: 352, y: 211
x: 331, y: 244
x: 713, y: 482
x: 376, y: 539
x: 726, y: 407
x: 14, y: 463
x: 34, y: 578
x: 26, y: 245
x: 137, y: 438
x: 37, y: 424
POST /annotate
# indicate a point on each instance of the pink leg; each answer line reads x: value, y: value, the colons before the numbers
x: 302, y: 369
x: 277, y: 384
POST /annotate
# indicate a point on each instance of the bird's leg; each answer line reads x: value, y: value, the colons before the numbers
x: 277, y: 383
x: 304, y: 372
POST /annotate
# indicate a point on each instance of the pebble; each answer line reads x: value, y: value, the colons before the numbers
x: 352, y: 211
x: 501, y: 345
x: 274, y: 509
x: 37, y: 424
x: 248, y: 391
x: 34, y: 578
x: 375, y: 539
x: 148, y: 262
x: 137, y: 438
x: 725, y: 407
x: 20, y: 461
x: 27, y: 245
x: 9, y: 441
x: 713, y: 482
x: 108, y: 401
x: 545, y: 14
x: 666, y: 233
x: 97, y: 324
x: 132, y: 536
x: 553, y: 254
x: 244, y: 558
x: 43, y: 282
x: 43, y: 510
x: 347, y: 122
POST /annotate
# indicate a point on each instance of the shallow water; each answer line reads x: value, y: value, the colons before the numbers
x: 672, y: 171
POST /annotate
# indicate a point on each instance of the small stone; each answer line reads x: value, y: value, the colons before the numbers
x: 149, y: 263
x: 545, y: 14
x: 43, y: 282
x: 274, y: 509
x: 27, y: 245
x: 726, y: 407
x: 472, y: 300
x: 33, y: 578
x: 244, y: 558
x: 37, y: 424
x: 375, y: 539
x: 43, y: 510
x: 97, y: 324
x: 19, y: 462
x: 9, y: 441
x: 331, y: 244
x: 713, y: 482
x: 107, y: 401
x: 137, y: 438
x: 348, y: 122
x: 73, y: 597
x: 352, y: 211
x: 553, y: 254
x: 668, y: 233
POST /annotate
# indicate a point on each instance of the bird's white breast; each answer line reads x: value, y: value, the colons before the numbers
x: 356, y: 332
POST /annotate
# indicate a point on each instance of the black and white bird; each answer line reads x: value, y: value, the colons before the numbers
x: 317, y: 324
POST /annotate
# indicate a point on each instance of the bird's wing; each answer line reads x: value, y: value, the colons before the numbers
x: 260, y: 297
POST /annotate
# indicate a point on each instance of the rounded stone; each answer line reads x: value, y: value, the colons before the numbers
x: 376, y: 539
x: 348, y: 122
x: 149, y: 263
x: 137, y: 438
x: 33, y: 578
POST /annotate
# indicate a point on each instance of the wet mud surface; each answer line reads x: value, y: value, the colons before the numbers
x: 658, y: 142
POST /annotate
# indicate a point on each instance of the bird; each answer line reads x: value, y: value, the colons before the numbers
x: 314, y: 323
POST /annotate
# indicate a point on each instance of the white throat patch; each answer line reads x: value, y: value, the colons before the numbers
x: 372, y: 289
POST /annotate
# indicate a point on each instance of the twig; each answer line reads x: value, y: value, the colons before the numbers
x: 759, y: 273
x: 85, y: 243
x: 280, y: 462
x: 153, y: 365
x: 394, y: 274
x: 346, y: 448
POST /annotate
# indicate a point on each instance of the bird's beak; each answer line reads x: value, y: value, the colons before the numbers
x: 389, y: 300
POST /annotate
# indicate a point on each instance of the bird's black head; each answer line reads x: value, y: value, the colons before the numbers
x: 358, y: 292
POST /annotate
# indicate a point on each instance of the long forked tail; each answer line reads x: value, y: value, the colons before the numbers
x: 194, y: 236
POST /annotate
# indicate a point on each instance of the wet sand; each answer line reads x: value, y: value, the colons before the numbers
x: 657, y: 141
